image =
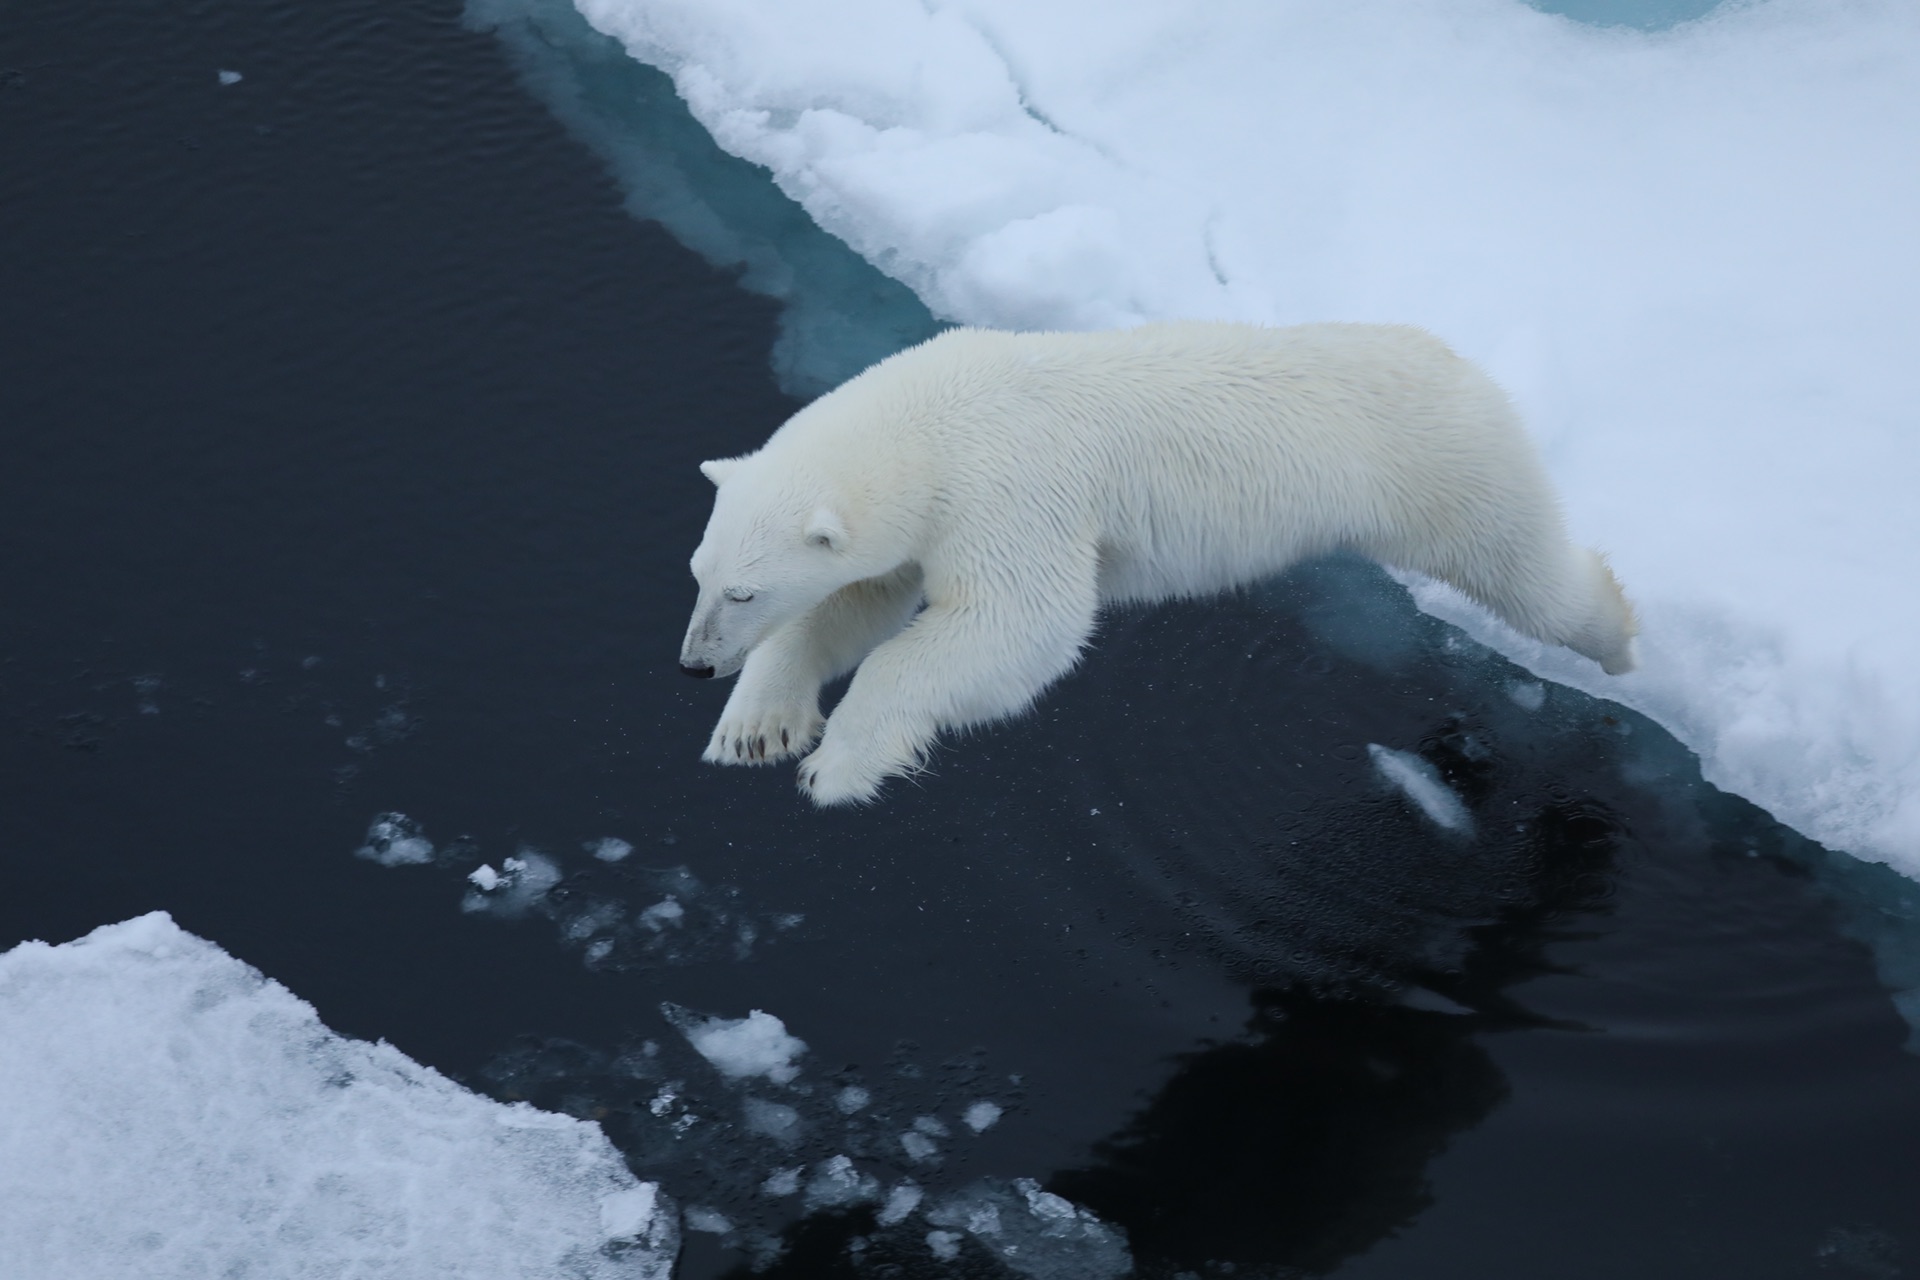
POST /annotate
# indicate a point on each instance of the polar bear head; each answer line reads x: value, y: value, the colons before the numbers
x: 781, y: 539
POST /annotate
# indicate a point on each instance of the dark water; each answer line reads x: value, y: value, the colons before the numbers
x: 351, y: 428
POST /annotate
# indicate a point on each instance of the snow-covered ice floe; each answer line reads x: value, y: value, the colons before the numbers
x: 167, y: 1111
x: 1688, y: 253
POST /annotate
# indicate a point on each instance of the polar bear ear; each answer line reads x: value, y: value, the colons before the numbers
x: 825, y: 530
x: 719, y: 469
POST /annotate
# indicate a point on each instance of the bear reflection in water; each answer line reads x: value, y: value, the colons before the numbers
x: 1306, y: 1140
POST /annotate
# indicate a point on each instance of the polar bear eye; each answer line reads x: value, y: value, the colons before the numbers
x: 739, y: 595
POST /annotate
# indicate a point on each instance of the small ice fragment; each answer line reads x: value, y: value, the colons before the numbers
x: 1035, y: 1233
x: 741, y: 1048
x: 231, y: 77
x: 945, y: 1244
x: 394, y: 840
x: 1421, y: 783
x: 484, y: 878
x: 851, y: 1099
x: 626, y: 1214
x: 781, y: 1182
x: 982, y: 1115
x: 663, y: 1101
x: 901, y: 1201
x: 1528, y: 695
x: 836, y: 1183
x: 609, y: 849
x: 700, y: 1218
x: 919, y: 1146
x: 597, y: 918
x: 663, y: 913
x: 1044, y: 1204
x: 931, y: 1126
x: 520, y: 883
x: 774, y: 1120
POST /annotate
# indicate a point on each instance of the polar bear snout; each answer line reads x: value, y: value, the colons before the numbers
x: 719, y: 638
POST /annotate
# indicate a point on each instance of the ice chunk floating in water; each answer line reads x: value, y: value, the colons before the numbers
x: 1421, y: 783
x: 395, y: 840
x: 741, y: 1048
x: 1687, y: 252
x: 1035, y: 1233
x: 169, y: 1112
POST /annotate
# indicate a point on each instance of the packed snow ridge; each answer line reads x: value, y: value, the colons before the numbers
x: 172, y: 1113
x: 1688, y: 254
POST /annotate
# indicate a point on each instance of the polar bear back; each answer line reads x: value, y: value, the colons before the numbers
x: 1196, y: 456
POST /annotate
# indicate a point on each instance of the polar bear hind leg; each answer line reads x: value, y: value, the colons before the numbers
x: 1546, y: 587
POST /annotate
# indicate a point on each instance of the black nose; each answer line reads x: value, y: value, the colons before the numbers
x: 698, y: 673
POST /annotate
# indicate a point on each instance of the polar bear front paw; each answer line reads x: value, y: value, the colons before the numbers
x: 763, y: 735
x: 829, y: 777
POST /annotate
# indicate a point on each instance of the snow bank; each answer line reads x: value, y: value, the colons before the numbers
x: 169, y: 1112
x: 1689, y: 254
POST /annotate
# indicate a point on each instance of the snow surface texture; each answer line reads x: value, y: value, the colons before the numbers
x: 169, y: 1112
x: 1688, y: 253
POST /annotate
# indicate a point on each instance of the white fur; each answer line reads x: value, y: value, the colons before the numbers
x: 1014, y: 483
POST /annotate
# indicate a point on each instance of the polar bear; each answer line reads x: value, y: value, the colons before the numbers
x: 951, y: 521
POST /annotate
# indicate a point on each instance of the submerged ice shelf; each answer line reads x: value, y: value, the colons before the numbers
x: 1682, y: 250
x: 172, y: 1113
x: 839, y: 314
